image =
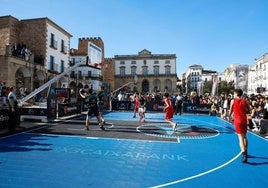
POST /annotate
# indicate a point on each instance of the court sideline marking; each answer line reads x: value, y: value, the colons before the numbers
x: 198, y: 175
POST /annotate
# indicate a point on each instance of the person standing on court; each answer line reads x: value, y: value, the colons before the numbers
x: 239, y: 108
x: 169, y: 110
x: 13, y: 112
x: 91, y: 99
x: 136, y: 104
x: 178, y: 104
x: 142, y: 108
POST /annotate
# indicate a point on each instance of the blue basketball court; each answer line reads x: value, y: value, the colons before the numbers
x: 203, y: 152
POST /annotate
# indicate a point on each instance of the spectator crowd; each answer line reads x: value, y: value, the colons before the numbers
x: 217, y: 105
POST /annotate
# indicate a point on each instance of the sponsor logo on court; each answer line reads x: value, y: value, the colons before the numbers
x: 120, y: 154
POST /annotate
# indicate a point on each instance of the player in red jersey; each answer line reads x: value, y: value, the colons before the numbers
x: 169, y: 110
x: 239, y: 108
x: 136, y: 104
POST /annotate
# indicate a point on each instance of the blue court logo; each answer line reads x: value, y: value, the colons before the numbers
x: 184, y: 131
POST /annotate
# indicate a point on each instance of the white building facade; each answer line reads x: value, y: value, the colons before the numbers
x: 196, y: 77
x: 155, y: 72
x: 193, y: 77
x: 90, y: 73
x: 258, y: 76
x: 58, y: 48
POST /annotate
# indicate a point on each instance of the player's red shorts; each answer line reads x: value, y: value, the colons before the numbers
x: 169, y: 113
x: 241, y: 128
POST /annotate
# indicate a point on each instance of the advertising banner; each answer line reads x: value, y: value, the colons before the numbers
x: 242, y: 77
x: 4, y: 117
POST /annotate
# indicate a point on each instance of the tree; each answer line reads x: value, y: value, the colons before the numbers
x: 207, y: 87
x: 223, y: 87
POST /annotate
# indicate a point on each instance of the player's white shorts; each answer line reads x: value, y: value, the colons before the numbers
x: 142, y: 109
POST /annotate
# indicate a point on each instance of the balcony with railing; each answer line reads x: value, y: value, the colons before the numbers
x: 80, y: 76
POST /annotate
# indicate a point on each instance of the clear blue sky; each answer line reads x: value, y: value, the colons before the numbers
x: 211, y: 33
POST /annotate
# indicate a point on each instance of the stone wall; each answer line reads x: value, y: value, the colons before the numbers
x: 33, y: 34
x: 108, y: 72
x: 83, y: 45
x: 9, y: 32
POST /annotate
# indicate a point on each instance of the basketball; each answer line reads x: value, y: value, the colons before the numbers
x: 82, y: 91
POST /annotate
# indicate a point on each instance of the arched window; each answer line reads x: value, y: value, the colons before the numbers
x: 156, y: 70
x: 168, y: 85
x: 145, y: 86
x: 156, y: 85
x: 133, y: 70
x: 167, y: 70
x: 145, y: 70
x: 122, y: 71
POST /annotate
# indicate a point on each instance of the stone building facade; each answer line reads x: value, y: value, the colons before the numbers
x: 46, y: 57
x: 108, y: 73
